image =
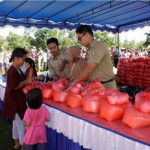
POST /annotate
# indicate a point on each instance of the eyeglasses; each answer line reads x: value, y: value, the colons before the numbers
x: 80, y: 37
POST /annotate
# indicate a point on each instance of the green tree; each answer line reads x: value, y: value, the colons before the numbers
x: 2, y: 42
x: 103, y: 36
x: 14, y: 40
x: 147, y: 40
x: 41, y: 37
x: 140, y: 45
x: 132, y: 44
x: 125, y: 44
x: 67, y: 39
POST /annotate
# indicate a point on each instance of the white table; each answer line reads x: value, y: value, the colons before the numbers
x: 73, y: 124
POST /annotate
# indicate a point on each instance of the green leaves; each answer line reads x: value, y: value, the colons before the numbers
x: 66, y: 38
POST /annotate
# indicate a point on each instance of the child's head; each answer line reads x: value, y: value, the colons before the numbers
x: 29, y: 62
x: 34, y: 98
x: 18, y: 56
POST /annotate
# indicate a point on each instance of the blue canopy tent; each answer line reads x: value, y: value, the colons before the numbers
x: 111, y: 16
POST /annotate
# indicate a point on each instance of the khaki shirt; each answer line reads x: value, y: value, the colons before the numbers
x: 55, y: 62
x: 100, y: 55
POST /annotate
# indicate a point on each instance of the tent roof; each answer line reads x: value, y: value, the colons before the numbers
x: 112, y: 16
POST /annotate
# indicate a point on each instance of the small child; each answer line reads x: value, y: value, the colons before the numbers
x: 34, y: 120
x: 30, y: 66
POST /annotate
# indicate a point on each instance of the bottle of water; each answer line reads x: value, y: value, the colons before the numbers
x: 47, y: 78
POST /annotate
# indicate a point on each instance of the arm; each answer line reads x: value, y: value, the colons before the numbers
x: 23, y: 83
x: 30, y: 74
x: 47, y: 119
x: 94, y: 59
x: 47, y: 115
x: 27, y: 118
x: 63, y: 64
x: 26, y: 123
x: 51, y: 69
x: 62, y: 67
x: 86, y: 72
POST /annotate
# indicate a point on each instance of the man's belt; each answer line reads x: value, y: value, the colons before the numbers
x: 107, y: 81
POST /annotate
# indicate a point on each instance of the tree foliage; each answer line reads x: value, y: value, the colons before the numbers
x: 2, y: 42
x: 66, y: 38
x: 147, y: 40
x: 14, y: 40
x: 108, y: 41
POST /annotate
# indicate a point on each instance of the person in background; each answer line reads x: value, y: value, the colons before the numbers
x: 54, y: 62
x: 30, y: 68
x: 14, y: 105
x: 99, y: 64
x: 112, y: 49
x: 6, y: 59
x: 39, y: 59
x: 34, y: 120
x: 1, y: 61
x: 77, y: 64
x: 116, y: 55
x: 45, y: 59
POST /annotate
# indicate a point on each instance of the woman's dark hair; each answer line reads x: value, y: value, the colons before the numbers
x: 18, y: 52
x: 34, y: 98
x: 32, y: 64
x: 52, y: 40
x: 83, y: 29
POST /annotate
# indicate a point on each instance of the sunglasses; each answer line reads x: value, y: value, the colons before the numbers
x: 80, y: 37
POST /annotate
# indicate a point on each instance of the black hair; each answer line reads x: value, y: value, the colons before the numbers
x: 83, y: 29
x: 32, y: 64
x: 52, y: 40
x: 34, y: 98
x: 18, y: 52
x: 30, y: 61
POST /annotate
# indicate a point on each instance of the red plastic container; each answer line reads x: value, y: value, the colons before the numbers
x: 47, y: 93
x: 134, y: 118
x: 91, y: 103
x: 59, y: 96
x: 74, y: 100
x: 111, y: 112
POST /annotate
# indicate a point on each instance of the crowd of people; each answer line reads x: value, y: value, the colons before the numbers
x: 39, y: 56
x: 127, y: 53
x: 97, y: 64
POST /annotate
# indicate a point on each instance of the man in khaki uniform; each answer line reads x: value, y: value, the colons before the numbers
x: 56, y: 60
x: 99, y: 60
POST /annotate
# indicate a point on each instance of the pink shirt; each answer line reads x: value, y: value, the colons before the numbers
x: 36, y: 131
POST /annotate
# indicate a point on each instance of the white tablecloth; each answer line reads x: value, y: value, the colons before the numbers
x: 89, y: 135
x: 2, y: 88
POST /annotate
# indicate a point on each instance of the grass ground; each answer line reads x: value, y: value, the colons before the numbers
x: 6, y: 142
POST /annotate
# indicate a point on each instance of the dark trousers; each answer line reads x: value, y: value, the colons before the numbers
x: 116, y: 62
x: 38, y: 146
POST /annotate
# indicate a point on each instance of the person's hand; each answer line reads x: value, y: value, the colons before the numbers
x: 55, y: 78
x: 71, y: 85
x: 28, y: 80
x: 59, y: 74
x: 39, y: 78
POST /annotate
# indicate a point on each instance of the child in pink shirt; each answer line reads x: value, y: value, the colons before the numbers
x: 34, y: 120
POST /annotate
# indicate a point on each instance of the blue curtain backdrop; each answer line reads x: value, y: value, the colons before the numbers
x: 57, y: 141
x: 8, y: 120
x: 1, y: 104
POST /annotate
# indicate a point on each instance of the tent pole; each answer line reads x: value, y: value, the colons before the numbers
x: 118, y: 40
